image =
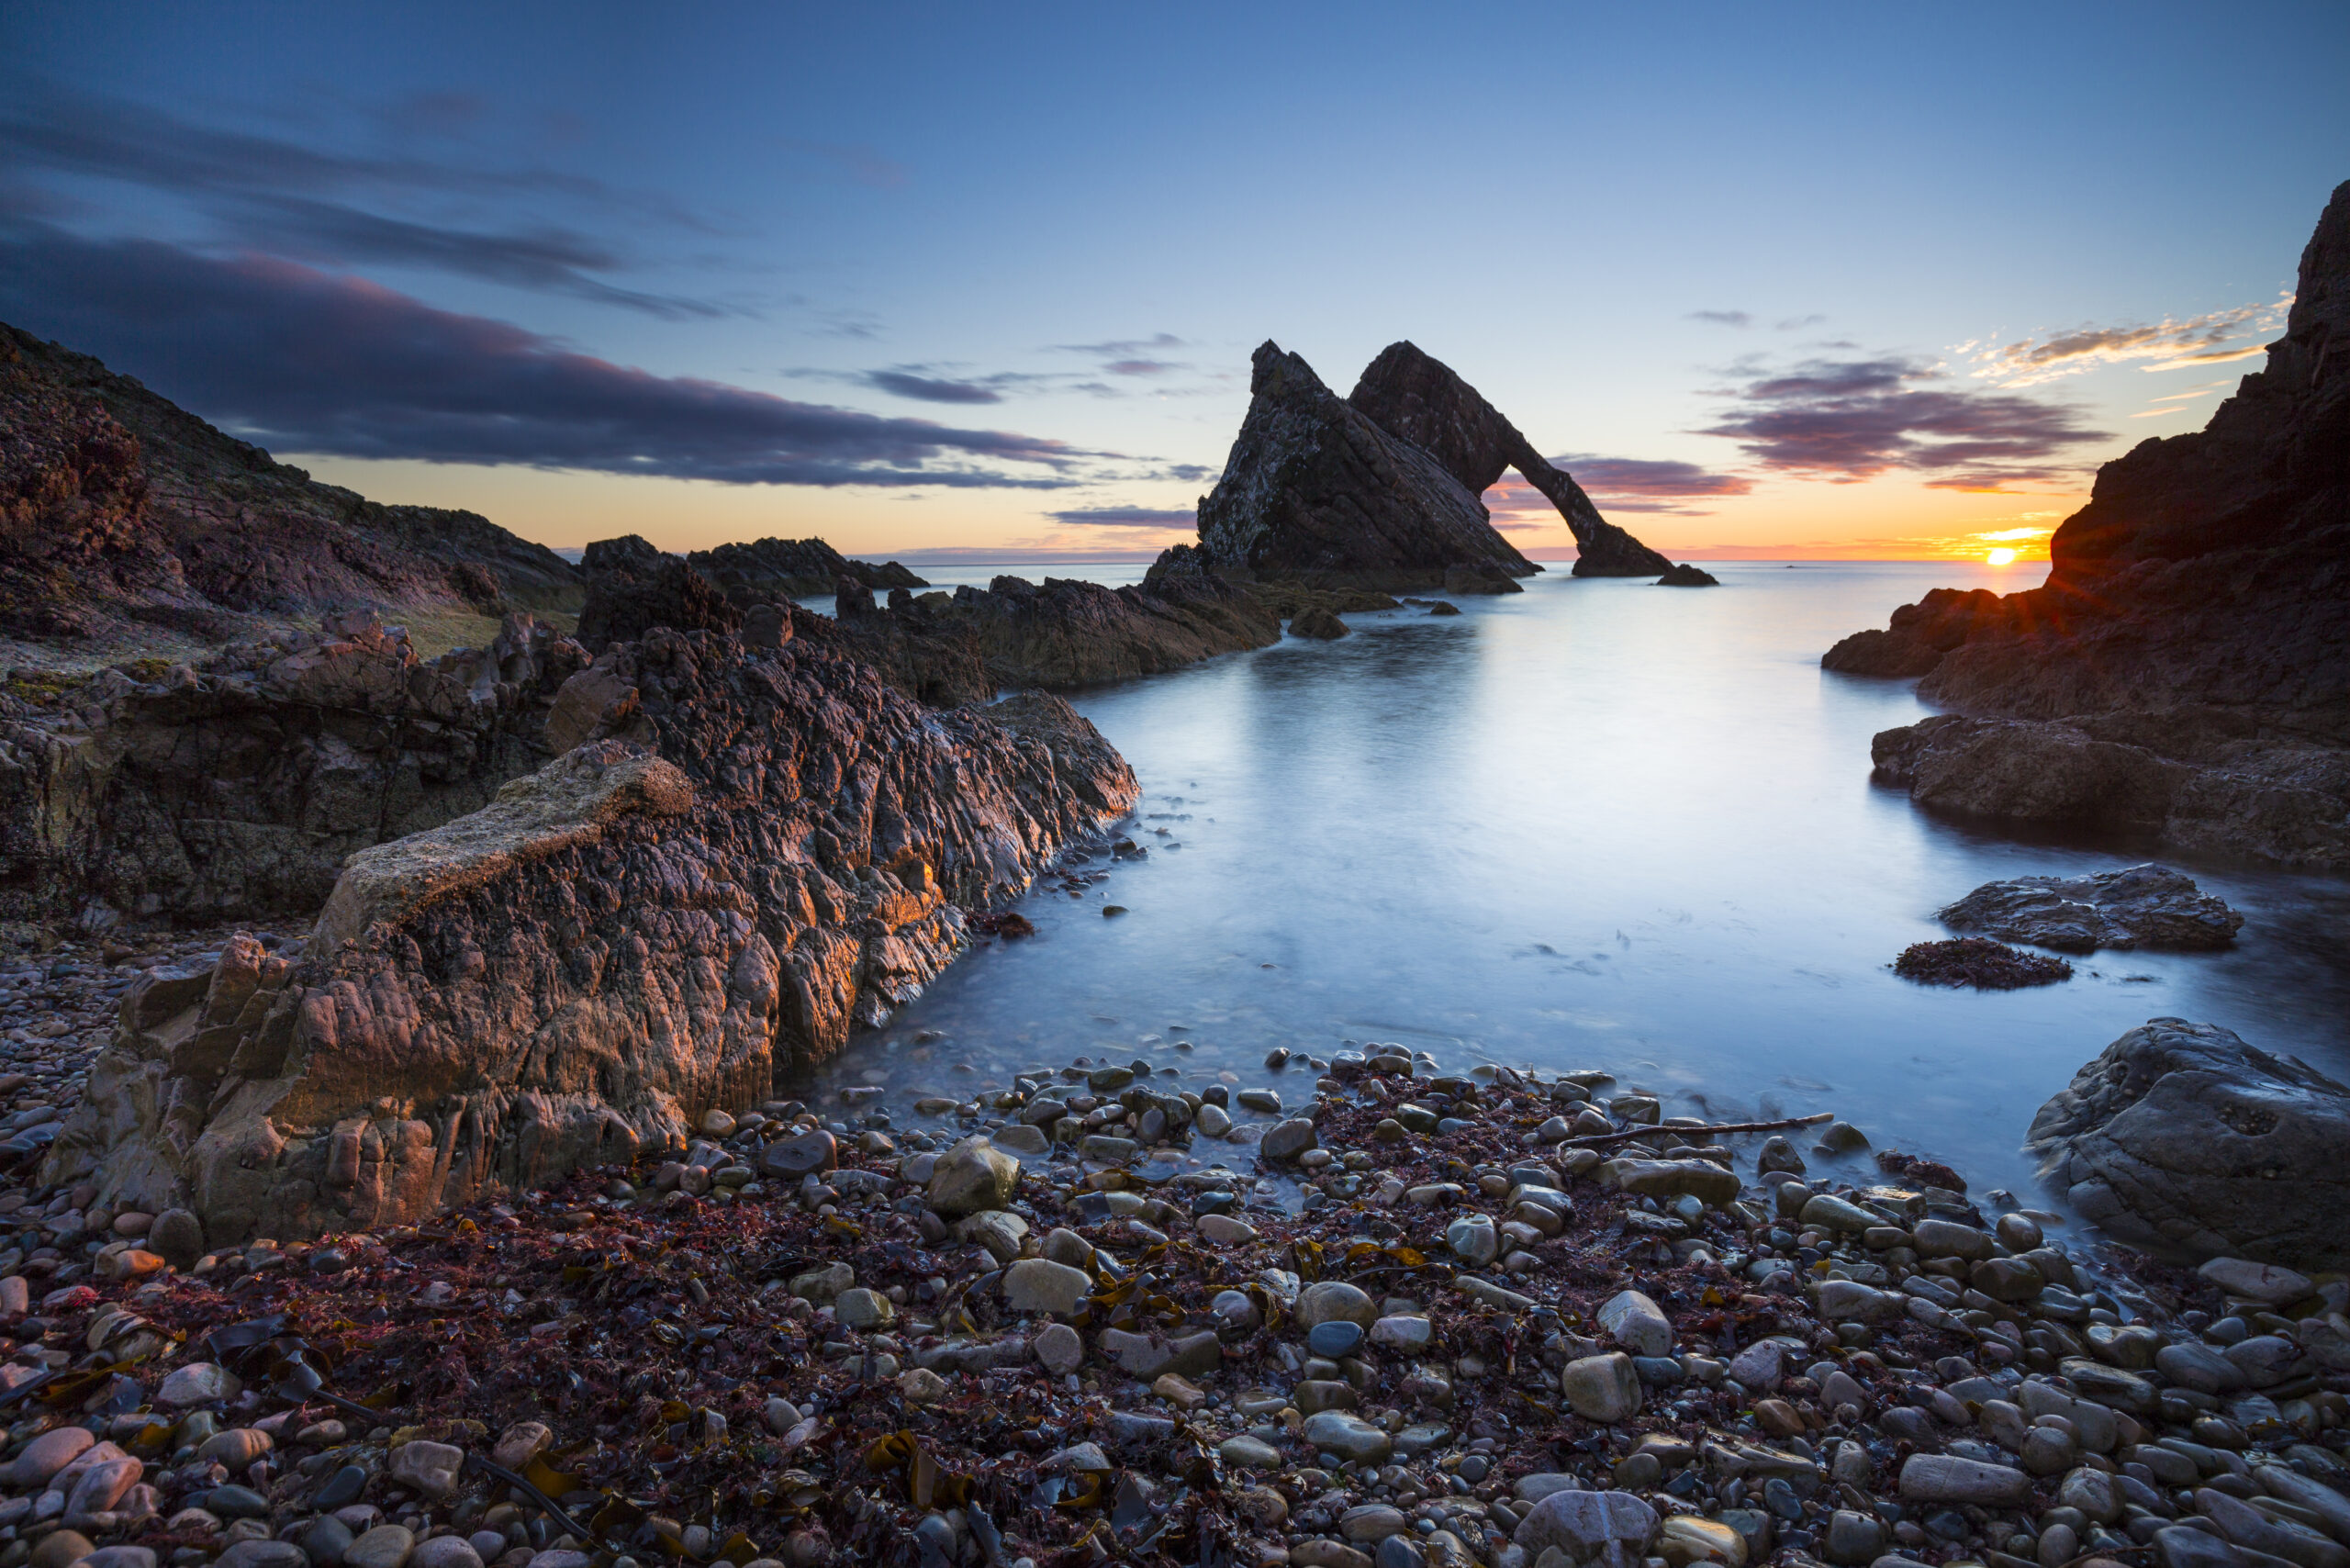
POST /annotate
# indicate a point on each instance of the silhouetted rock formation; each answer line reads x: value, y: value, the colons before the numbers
x: 1686, y: 576
x: 1316, y: 492
x: 122, y: 513
x: 2186, y: 668
x: 1421, y: 400
x: 2138, y: 906
x: 770, y: 569
x: 234, y: 788
x: 618, y: 943
x: 632, y: 587
x: 2180, y: 1135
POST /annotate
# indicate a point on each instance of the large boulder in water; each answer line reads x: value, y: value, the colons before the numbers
x: 1421, y: 400
x: 641, y: 932
x: 2182, y: 1136
x: 2139, y: 906
x: 1316, y: 491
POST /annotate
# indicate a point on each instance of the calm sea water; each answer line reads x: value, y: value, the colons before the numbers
x: 1593, y: 824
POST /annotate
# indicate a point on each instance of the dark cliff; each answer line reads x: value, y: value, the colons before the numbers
x: 120, y: 511
x: 2185, y: 670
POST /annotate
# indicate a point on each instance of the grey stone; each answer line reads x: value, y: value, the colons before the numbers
x: 324, y: 1541
x: 1831, y: 1212
x: 198, y: 1383
x: 1000, y: 1231
x: 234, y: 1502
x: 802, y: 1154
x: 177, y: 1237
x: 1637, y: 1323
x: 1370, y: 1522
x: 2256, y: 1282
x: 1757, y: 1367
x: 1946, y: 1478
x: 1602, y: 1388
x: 1135, y: 1429
x: 427, y: 1467
x: 45, y: 1456
x: 1286, y: 1140
x: 1948, y: 1238
x: 1212, y: 1121
x: 1534, y: 1488
x: 1404, y: 1332
x: 1326, y: 1300
x: 445, y: 1552
x: 971, y: 1176
x: 386, y: 1546
x: 1250, y: 1453
x: 1474, y: 1239
x: 1348, y: 1436
x: 2199, y: 1367
x: 1151, y: 1356
x: 261, y: 1554
x: 1584, y: 1525
x: 1039, y: 1285
x: 1854, y: 1538
x: 2182, y: 1136
x: 2183, y: 1546
x: 861, y: 1308
x: 824, y: 1284
x: 1022, y: 1139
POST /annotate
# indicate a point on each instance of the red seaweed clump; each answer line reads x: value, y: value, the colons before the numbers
x: 1980, y: 962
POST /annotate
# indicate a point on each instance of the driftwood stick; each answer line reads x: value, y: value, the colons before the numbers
x: 1599, y: 1140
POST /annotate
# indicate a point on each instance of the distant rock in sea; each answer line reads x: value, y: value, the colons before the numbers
x: 2185, y: 671
x: 1686, y: 576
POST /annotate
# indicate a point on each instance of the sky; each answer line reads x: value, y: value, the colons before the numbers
x: 929, y: 281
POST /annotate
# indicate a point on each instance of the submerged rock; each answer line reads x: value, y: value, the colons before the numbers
x: 2181, y: 1135
x: 624, y: 940
x: 2141, y: 906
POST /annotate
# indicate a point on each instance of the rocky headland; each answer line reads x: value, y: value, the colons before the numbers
x: 126, y: 523
x: 2185, y: 670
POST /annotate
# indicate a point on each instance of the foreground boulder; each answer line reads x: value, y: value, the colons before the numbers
x: 2182, y: 1136
x: 2141, y: 906
x: 642, y: 930
x: 1422, y: 400
x: 234, y: 788
x: 2185, y: 670
x: 1316, y: 491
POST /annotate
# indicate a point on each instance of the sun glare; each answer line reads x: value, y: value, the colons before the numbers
x: 2000, y: 557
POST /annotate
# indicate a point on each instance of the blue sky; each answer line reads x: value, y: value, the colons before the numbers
x: 1820, y: 280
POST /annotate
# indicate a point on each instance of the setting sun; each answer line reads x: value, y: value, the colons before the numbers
x: 2000, y: 557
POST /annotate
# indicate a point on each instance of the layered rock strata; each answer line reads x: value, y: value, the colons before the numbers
x: 633, y: 935
x: 122, y: 514
x: 234, y: 788
x: 1317, y: 491
x: 2185, y: 670
x: 2181, y: 1136
x: 1422, y: 400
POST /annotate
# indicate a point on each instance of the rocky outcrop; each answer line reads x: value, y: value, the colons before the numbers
x: 2208, y: 778
x: 1686, y: 576
x: 619, y: 943
x: 1059, y: 635
x: 1318, y: 624
x: 2139, y: 906
x: 122, y: 513
x: 1316, y: 491
x: 768, y: 570
x: 1422, y: 400
x: 632, y: 587
x: 2186, y: 668
x: 2183, y: 1136
x: 232, y: 789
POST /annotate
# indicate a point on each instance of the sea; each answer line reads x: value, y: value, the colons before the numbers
x: 1596, y: 824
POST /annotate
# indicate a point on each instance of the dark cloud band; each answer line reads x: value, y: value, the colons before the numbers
x: 307, y: 361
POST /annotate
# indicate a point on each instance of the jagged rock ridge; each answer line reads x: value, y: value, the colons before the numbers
x: 122, y: 513
x: 2185, y: 670
x: 1422, y: 400
x: 639, y: 931
x: 766, y: 570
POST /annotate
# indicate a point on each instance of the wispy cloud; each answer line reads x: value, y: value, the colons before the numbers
x: 307, y: 361
x: 931, y: 389
x: 1155, y: 519
x: 261, y: 193
x: 2219, y: 338
x: 1845, y: 421
x: 1723, y: 318
x: 1123, y: 348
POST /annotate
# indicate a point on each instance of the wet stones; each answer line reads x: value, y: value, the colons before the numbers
x: 972, y: 1176
x: 1946, y: 1478
x: 1613, y: 1528
x: 1329, y: 1301
x: 1348, y: 1436
x: 1036, y: 1285
x: 1702, y: 1178
x: 427, y: 1467
x: 2142, y: 906
x: 1285, y: 1141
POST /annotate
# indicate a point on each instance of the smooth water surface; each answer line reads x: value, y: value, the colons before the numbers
x: 1598, y: 824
